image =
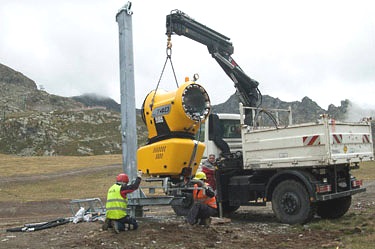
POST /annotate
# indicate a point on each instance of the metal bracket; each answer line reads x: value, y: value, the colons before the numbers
x: 126, y: 7
x: 91, y: 205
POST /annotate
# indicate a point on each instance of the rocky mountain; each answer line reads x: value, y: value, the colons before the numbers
x: 20, y: 94
x: 34, y: 122
x: 94, y: 100
x: 305, y: 110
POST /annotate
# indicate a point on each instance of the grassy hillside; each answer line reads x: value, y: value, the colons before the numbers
x: 90, y: 183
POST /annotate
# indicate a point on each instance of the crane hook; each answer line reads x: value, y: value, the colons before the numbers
x: 169, y: 46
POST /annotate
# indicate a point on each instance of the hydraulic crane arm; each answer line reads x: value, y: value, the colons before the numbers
x: 221, y: 49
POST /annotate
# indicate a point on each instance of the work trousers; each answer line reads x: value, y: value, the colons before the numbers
x: 127, y: 223
x: 200, y: 211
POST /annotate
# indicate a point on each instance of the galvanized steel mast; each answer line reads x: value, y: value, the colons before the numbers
x: 127, y: 89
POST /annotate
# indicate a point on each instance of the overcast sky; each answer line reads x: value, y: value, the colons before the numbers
x: 321, y: 49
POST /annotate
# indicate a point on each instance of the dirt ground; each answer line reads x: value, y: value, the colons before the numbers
x: 249, y: 227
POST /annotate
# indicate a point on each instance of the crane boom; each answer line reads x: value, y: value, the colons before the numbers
x: 221, y: 49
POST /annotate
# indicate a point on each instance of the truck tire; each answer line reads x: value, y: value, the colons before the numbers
x: 291, y: 204
x: 335, y: 208
x: 187, y: 203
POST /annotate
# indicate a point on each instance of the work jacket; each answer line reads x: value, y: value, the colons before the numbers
x: 199, y: 195
x: 210, y: 174
x: 116, y: 204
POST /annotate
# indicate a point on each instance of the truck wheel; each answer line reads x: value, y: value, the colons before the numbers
x: 183, y: 210
x: 335, y: 208
x: 290, y: 203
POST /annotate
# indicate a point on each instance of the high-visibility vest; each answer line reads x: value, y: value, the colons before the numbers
x: 116, y: 205
x: 200, y: 196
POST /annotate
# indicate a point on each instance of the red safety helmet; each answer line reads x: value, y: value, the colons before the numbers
x: 122, y: 178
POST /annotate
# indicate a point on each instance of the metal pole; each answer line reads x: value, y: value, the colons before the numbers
x: 127, y: 89
x: 137, y: 199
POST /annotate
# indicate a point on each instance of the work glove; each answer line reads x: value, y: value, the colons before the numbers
x: 209, y: 192
x: 139, y: 173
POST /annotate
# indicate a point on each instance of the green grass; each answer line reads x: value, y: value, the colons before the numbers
x: 87, y: 185
x: 76, y: 187
x: 356, y: 229
x: 67, y: 187
x: 366, y: 171
x: 24, y: 166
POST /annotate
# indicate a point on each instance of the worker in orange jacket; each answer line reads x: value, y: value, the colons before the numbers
x: 205, y: 205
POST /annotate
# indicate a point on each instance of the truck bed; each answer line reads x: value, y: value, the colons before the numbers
x: 312, y: 144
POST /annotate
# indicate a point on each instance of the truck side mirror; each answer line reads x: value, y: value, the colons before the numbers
x: 214, y: 128
x: 215, y: 133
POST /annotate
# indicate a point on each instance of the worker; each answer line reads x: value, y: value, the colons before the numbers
x: 117, y: 202
x: 209, y: 167
x: 204, y: 206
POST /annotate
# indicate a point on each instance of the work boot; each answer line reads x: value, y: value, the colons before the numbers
x: 116, y: 226
x: 106, y: 224
x: 205, y: 222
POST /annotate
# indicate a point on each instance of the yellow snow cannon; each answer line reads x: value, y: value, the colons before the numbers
x: 173, y: 119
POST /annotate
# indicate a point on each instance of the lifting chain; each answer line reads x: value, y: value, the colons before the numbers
x: 169, y: 58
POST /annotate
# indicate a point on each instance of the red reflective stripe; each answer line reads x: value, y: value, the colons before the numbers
x: 311, y: 140
x: 314, y: 140
x: 366, y: 139
x: 337, y: 138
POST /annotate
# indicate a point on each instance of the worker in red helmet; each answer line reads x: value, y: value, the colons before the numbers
x: 117, y: 202
x: 204, y: 206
